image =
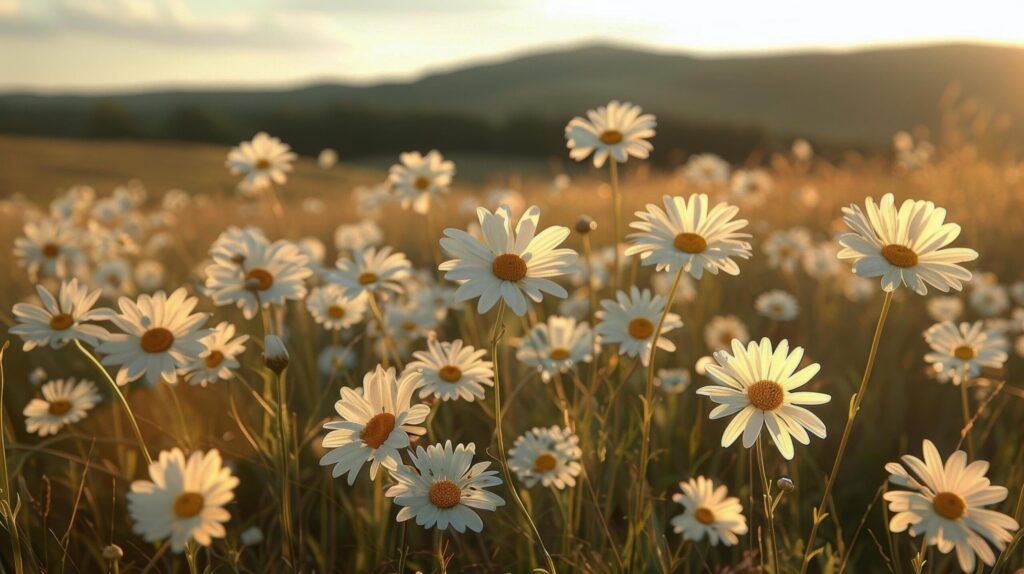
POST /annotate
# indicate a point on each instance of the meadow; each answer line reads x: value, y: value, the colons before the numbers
x: 602, y: 491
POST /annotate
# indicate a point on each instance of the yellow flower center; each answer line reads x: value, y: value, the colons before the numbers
x: 367, y: 278
x: 559, y: 354
x: 188, y: 504
x: 949, y: 505
x: 704, y: 516
x: 51, y: 250
x: 60, y: 406
x: 690, y: 243
x: 61, y: 321
x: 899, y: 255
x: 640, y: 328
x: 262, y: 163
x: 336, y: 312
x: 156, y: 340
x: 421, y: 183
x: 450, y: 373
x: 378, y: 429
x: 408, y: 325
x: 445, y: 494
x: 258, y: 280
x: 964, y: 353
x: 214, y: 359
x: 610, y: 137
x: 545, y: 463
x: 765, y: 395
x: 509, y: 267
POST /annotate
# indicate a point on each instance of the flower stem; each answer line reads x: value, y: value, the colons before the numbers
x: 769, y: 511
x: 120, y: 396
x: 613, y: 178
x: 965, y: 406
x: 648, y: 414
x: 496, y: 334
x: 7, y: 511
x: 389, y: 343
x: 282, y: 436
x: 819, y: 512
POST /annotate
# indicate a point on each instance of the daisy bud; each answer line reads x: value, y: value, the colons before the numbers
x: 785, y: 484
x: 585, y: 224
x: 112, y: 555
x: 275, y: 354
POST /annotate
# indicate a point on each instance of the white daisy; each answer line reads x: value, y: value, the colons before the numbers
x: 353, y: 236
x: 418, y: 180
x: 61, y: 319
x: 327, y: 158
x: 251, y: 273
x: 263, y: 161
x: 114, y: 277
x: 673, y: 381
x: 945, y: 307
x: 961, y: 352
x: 184, y: 499
x: 802, y: 150
x: 410, y: 321
x: 376, y: 421
x: 331, y: 308
x: 708, y: 511
x: 721, y: 330
x: 777, y: 305
x: 50, y: 248
x: 905, y: 245
x: 618, y: 130
x: 749, y: 184
x: 989, y: 300
x: 64, y: 402
x: 160, y: 336
x: 451, y: 371
x: 219, y: 359
x: 706, y: 170
x: 334, y: 358
x: 786, y: 248
x: 550, y: 456
x: 946, y: 505
x: 690, y: 234
x: 371, y: 270
x: 507, y: 263
x: 821, y: 261
x: 756, y: 384
x: 630, y: 320
x: 443, y: 487
x: 557, y: 345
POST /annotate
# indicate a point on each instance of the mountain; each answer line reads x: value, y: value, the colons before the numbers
x: 858, y: 97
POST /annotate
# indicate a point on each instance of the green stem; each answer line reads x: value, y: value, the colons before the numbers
x: 120, y: 397
x: 819, y: 513
x: 769, y: 512
x: 613, y: 177
x: 282, y: 436
x: 965, y: 406
x: 389, y: 343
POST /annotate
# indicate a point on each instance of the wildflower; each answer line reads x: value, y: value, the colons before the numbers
x: 114, y: 278
x: 785, y: 249
x: 750, y: 184
x: 420, y: 179
x: 184, y: 499
x: 720, y: 332
x: 441, y: 489
x: 630, y: 320
x: 331, y: 308
x: 706, y: 170
x: 451, y: 370
x: 802, y: 150
x: 945, y: 503
x: 961, y: 352
x: 507, y: 264
x: 251, y: 536
x: 254, y: 273
x: 219, y: 359
x: 756, y: 384
x: 50, y: 248
x: 549, y: 456
x: 777, y: 305
x: 264, y: 161
x: 821, y: 261
x: 370, y: 271
x: 557, y: 345
x: 64, y: 402
x: 673, y: 381
x: 335, y: 357
x: 355, y: 236
x: 327, y: 158
x: 618, y: 130
x: 945, y: 308
x: 61, y: 319
x: 708, y: 511
x: 989, y: 300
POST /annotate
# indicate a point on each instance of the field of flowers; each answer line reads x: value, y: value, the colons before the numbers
x: 791, y: 366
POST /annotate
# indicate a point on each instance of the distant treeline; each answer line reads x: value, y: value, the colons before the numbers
x: 358, y: 131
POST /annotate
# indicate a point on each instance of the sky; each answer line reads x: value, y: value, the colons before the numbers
x: 130, y: 45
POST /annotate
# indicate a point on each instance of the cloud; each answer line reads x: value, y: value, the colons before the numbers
x: 173, y: 22
x: 398, y: 7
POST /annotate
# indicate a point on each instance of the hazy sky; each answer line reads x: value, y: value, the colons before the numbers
x: 132, y: 44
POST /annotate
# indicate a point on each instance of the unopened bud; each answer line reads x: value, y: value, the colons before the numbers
x: 275, y: 354
x: 585, y: 224
x: 112, y: 553
x: 785, y: 484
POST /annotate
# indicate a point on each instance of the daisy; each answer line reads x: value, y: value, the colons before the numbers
x: 160, y: 336
x: 353, y: 236
x: 905, y: 245
x: 706, y: 169
x: 451, y: 371
x: 255, y: 273
x: 550, y: 456
x: 371, y: 270
x: 785, y: 249
x: 946, y: 503
x: 114, y: 277
x: 821, y: 261
x: 420, y: 179
x: 184, y: 499
x: 443, y: 487
x: 777, y: 305
x: 50, y: 248
x: 618, y: 130
x: 335, y: 357
x: 689, y: 234
x: 327, y: 158
x: 330, y: 308
x: 756, y: 384
x: 989, y: 300
x: 410, y: 321
x: 708, y: 511
x: 64, y: 402
x: 61, y: 319
x: 945, y: 308
x: 630, y: 320
x: 263, y: 161
x: 750, y: 183
x: 720, y: 332
x: 961, y: 352
x: 673, y: 381
x: 219, y: 358
x: 557, y: 345
x: 802, y: 150
x: 376, y: 421
x: 507, y: 263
